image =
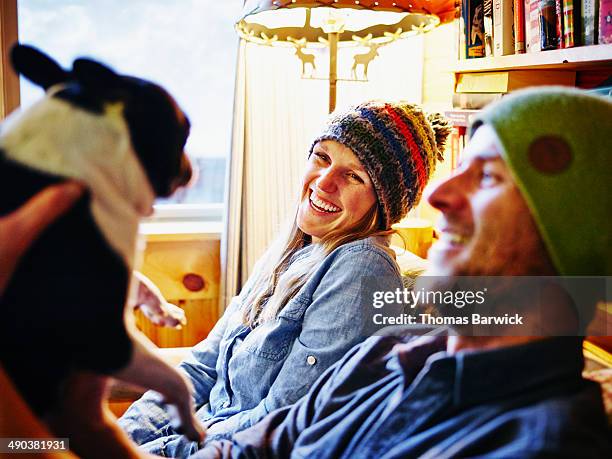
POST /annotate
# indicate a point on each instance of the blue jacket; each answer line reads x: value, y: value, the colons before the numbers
x: 390, y: 399
x: 240, y: 374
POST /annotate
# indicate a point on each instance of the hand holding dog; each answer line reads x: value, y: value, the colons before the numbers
x: 19, y: 229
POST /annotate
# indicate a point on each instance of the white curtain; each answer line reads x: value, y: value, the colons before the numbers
x: 276, y: 115
x: 230, y: 241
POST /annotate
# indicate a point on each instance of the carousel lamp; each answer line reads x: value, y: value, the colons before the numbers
x: 334, y: 23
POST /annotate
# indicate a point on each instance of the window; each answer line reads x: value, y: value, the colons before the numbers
x: 187, y: 46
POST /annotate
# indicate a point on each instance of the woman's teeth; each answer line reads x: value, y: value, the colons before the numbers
x: 323, y: 206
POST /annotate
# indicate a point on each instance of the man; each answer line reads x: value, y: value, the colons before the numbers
x: 530, y: 198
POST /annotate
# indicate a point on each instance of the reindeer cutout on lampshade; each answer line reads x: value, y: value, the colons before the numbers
x: 364, y: 59
x: 306, y: 58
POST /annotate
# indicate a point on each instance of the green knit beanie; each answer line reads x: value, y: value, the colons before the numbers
x: 557, y: 143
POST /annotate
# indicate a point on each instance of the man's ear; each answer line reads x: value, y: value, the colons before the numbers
x: 36, y: 66
x: 94, y: 75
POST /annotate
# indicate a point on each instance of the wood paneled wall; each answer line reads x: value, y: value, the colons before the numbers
x: 187, y: 271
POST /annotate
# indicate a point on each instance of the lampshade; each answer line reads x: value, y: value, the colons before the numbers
x: 283, y: 21
x: 335, y: 23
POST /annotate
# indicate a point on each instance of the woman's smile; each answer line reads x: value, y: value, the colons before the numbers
x: 321, y: 205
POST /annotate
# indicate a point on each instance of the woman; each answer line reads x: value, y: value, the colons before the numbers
x: 300, y: 310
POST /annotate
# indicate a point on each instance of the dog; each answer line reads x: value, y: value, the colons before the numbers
x: 63, y: 330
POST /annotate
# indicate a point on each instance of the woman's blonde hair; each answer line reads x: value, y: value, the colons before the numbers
x: 279, y: 279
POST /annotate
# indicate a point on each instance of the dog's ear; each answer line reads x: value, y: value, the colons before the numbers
x: 94, y: 75
x: 36, y: 66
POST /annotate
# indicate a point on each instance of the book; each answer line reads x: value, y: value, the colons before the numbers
x: 590, y: 21
x: 605, y: 21
x: 456, y: 147
x: 457, y: 144
x: 548, y: 22
x: 532, y: 26
x: 569, y: 24
x: 519, y: 26
x: 461, y: 118
x: 503, y: 82
x: 527, y: 29
x: 474, y: 100
x: 559, y: 10
x: 473, y: 16
x: 488, y: 27
x: 503, y: 26
x: 461, y: 37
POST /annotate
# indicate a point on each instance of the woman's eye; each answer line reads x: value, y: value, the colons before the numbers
x: 355, y: 177
x: 321, y: 157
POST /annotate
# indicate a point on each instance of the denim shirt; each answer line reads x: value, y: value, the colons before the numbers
x: 388, y: 398
x: 240, y: 374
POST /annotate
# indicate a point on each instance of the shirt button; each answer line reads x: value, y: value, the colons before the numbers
x: 226, y: 404
x: 311, y: 360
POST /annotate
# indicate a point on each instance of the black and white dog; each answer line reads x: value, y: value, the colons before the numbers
x: 63, y: 312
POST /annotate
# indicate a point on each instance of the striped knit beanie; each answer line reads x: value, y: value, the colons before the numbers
x: 397, y: 144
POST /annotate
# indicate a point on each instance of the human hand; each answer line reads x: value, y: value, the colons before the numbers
x: 20, y: 228
x: 154, y: 306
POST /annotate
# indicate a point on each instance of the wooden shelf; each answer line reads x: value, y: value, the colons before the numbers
x: 561, y: 59
x: 181, y: 231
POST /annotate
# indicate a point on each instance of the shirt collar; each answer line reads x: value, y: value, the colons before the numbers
x: 480, y: 376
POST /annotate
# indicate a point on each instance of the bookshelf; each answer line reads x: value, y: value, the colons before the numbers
x: 578, y: 58
x: 590, y: 64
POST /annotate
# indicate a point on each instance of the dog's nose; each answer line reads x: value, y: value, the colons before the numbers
x: 185, y: 174
x: 186, y: 171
